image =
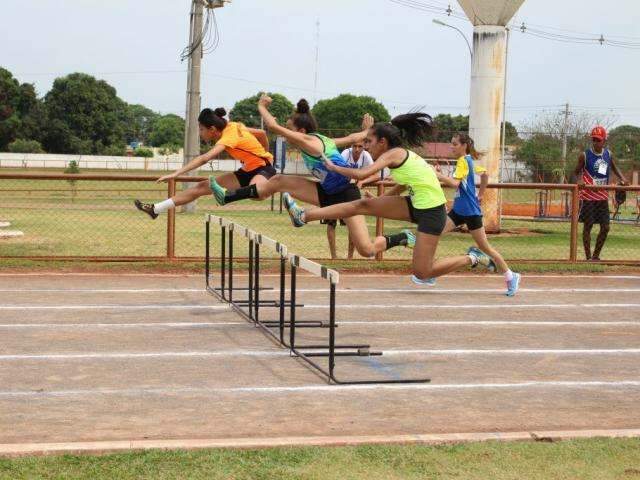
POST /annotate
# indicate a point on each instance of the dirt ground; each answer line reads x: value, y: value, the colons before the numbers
x: 87, y: 357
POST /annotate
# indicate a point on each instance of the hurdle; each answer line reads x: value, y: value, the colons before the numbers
x: 249, y: 307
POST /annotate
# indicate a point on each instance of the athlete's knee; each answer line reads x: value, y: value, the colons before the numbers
x: 363, y: 205
x: 203, y: 186
x: 365, y: 250
x: 604, y: 228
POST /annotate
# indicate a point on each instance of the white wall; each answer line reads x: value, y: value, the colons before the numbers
x: 164, y: 163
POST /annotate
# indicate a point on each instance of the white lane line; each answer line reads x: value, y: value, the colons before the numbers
x: 514, y: 306
x: 368, y: 324
x: 621, y: 384
x: 425, y: 306
x: 481, y: 323
x: 122, y: 325
x: 429, y: 290
x: 285, y: 353
x: 347, y: 275
x: 103, y: 290
x: 115, y: 307
x: 110, y: 356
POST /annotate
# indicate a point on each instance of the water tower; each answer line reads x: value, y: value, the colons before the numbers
x: 489, y: 18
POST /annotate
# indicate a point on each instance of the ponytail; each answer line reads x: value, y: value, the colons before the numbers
x: 303, y: 118
x: 465, y: 139
x: 410, y: 129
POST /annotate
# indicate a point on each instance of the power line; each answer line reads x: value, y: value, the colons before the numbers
x: 542, y: 32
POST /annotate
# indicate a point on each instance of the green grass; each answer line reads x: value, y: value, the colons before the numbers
x: 596, y: 459
x: 98, y: 219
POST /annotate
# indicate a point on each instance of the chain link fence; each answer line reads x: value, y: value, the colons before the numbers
x: 93, y: 217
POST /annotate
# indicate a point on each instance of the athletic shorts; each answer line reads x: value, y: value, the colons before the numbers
x: 429, y: 220
x: 473, y: 222
x: 594, y: 211
x: 332, y: 221
x: 349, y: 194
x: 244, y: 177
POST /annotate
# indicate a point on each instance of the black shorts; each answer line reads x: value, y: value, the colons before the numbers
x: 332, y: 221
x: 473, y: 222
x: 349, y: 194
x: 429, y: 220
x: 594, y: 211
x: 244, y: 177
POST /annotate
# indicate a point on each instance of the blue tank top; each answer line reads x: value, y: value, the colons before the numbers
x: 598, y: 166
x: 466, y: 202
x: 331, y: 182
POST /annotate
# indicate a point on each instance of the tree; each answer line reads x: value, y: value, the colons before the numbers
x: 25, y: 146
x: 87, y: 112
x: 446, y: 125
x: 20, y: 110
x: 541, y: 149
x: 343, y: 114
x: 140, y: 120
x: 167, y: 129
x: 246, y: 110
x: 624, y: 142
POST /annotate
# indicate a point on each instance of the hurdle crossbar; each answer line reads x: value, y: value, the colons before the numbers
x: 250, y: 307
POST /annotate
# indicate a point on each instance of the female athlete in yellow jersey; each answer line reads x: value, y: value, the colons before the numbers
x: 425, y: 204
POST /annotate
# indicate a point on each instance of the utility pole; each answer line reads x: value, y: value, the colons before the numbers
x: 191, y: 135
x: 565, y: 126
x: 315, y: 78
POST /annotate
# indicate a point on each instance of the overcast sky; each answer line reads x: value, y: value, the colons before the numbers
x: 373, y: 47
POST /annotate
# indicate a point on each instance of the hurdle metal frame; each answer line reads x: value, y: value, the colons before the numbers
x: 250, y: 307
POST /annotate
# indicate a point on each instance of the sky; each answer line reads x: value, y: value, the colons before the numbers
x: 367, y: 47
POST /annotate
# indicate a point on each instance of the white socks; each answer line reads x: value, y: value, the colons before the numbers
x: 474, y: 259
x: 163, y: 206
x: 508, y: 275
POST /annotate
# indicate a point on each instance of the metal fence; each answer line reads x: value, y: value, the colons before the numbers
x: 92, y: 217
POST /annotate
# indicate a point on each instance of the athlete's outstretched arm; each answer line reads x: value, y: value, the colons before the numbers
x: 367, y: 123
x: 195, y: 163
x: 308, y: 143
x: 391, y: 157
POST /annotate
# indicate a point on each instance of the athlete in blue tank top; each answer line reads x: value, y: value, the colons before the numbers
x: 466, y: 202
x: 331, y: 182
x: 466, y: 205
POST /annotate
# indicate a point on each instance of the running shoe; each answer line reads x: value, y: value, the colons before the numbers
x: 295, y: 212
x: 146, y: 208
x: 411, y: 238
x: 219, y: 192
x: 513, y: 285
x: 483, y: 259
x: 429, y: 282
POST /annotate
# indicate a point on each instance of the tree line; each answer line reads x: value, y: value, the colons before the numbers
x: 84, y: 115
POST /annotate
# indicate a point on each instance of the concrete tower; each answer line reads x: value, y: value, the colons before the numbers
x: 489, y: 18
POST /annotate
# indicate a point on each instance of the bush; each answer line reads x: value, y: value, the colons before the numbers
x: 73, y: 167
x: 114, y: 151
x: 143, y: 152
x: 25, y: 146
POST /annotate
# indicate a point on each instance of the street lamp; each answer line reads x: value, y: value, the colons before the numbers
x: 441, y: 23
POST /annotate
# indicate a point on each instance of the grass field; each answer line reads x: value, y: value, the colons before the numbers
x: 596, y: 459
x: 91, y: 218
